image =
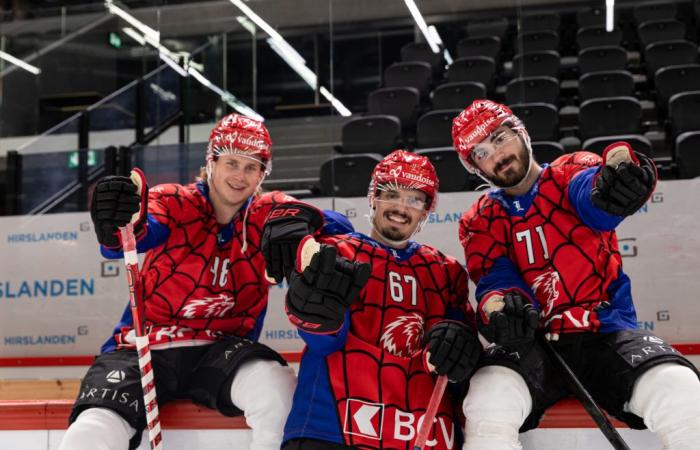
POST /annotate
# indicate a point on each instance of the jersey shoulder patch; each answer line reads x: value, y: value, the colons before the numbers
x: 564, y: 168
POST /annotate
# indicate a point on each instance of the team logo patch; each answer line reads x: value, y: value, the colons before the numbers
x: 115, y: 376
x: 364, y: 418
x: 547, y: 286
x: 403, y: 336
x: 217, y: 306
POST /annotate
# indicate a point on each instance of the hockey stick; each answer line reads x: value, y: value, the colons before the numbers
x: 598, y: 416
x: 133, y: 277
x: 430, y: 412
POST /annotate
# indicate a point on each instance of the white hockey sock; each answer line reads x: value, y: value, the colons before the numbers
x: 263, y: 389
x: 497, y: 404
x: 97, y: 429
x: 667, y: 397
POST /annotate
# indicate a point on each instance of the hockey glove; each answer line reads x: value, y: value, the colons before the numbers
x: 507, y: 319
x: 625, y: 182
x: 117, y: 201
x: 452, y: 349
x: 318, y: 297
x: 286, y: 225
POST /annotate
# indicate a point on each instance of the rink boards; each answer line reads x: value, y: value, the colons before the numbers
x: 59, y: 297
x: 59, y: 300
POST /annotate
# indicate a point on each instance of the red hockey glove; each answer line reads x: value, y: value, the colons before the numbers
x: 286, y: 225
x: 452, y: 349
x: 625, y: 182
x: 117, y: 201
x: 507, y: 319
x: 318, y: 297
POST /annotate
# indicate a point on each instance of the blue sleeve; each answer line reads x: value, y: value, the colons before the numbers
x: 125, y: 321
x: 580, y: 188
x: 336, y: 223
x: 254, y: 334
x: 157, y: 234
x: 502, y: 276
x: 325, y: 344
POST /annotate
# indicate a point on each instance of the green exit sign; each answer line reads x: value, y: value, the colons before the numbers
x: 73, y: 159
x: 114, y: 40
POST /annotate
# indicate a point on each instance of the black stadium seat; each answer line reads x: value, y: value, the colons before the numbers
x: 457, y: 95
x: 488, y: 27
x: 450, y: 171
x: 675, y: 79
x: 597, y: 36
x: 655, y: 11
x: 669, y: 53
x: 540, y: 22
x: 473, y: 68
x: 660, y: 30
x: 688, y: 154
x: 536, y: 64
x: 415, y: 74
x: 434, y: 128
x: 609, y: 116
x: 684, y: 112
x: 541, y: 120
x: 638, y: 142
x: 348, y: 175
x: 537, y: 41
x: 371, y: 134
x: 401, y: 102
x: 533, y: 89
x: 547, y: 151
x: 605, y: 84
x: 420, y: 51
x: 606, y: 57
x: 479, y: 46
x: 590, y: 17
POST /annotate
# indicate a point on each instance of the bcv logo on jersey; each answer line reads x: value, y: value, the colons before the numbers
x: 373, y: 420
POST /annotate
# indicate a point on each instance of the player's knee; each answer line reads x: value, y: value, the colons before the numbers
x: 97, y: 429
x: 264, y: 385
x: 667, y: 397
x: 497, y: 404
x: 498, y: 394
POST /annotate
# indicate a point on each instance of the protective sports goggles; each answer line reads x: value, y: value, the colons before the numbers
x: 489, y: 146
x: 395, y: 198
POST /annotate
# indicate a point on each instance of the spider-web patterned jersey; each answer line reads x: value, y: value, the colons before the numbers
x: 198, y: 285
x: 366, y: 385
x: 553, y: 244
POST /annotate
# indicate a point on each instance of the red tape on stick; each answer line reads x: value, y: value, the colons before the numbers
x: 133, y: 277
x: 429, y: 416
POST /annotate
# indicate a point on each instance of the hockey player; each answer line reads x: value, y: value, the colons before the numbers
x: 363, y: 381
x: 204, y: 291
x: 542, y: 250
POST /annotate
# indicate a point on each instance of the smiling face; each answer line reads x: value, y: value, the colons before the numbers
x: 398, y: 213
x: 234, y: 178
x: 502, y: 157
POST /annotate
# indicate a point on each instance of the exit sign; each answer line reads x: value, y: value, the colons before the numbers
x: 114, y: 40
x: 73, y: 159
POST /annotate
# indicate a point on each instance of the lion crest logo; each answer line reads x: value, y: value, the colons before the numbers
x: 403, y: 336
x: 208, y: 307
x: 547, y: 286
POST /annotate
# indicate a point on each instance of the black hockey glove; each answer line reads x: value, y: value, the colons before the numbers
x: 514, y: 324
x: 286, y: 225
x: 114, y: 203
x: 318, y: 298
x: 622, y: 188
x: 453, y: 350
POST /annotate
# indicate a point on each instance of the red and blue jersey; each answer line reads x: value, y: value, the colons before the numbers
x: 198, y: 284
x: 554, y: 245
x: 366, y: 386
